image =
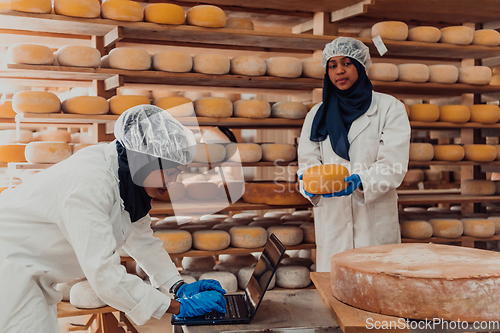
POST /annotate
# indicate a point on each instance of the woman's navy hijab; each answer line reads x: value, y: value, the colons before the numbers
x: 340, y: 109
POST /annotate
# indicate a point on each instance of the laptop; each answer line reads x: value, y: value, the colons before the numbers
x: 241, y: 308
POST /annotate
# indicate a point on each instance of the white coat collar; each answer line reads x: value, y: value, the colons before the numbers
x: 111, y: 157
x: 362, y: 122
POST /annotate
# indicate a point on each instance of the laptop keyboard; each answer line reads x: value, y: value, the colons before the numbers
x: 232, y: 310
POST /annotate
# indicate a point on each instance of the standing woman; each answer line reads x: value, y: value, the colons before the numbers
x: 369, y: 134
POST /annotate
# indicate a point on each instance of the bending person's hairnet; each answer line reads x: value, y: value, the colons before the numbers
x: 347, y: 47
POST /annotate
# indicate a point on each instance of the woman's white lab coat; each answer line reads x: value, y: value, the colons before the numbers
x: 379, y: 150
x: 68, y: 222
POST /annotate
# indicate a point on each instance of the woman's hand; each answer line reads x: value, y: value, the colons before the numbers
x: 201, y: 303
x: 190, y: 289
x: 354, y: 182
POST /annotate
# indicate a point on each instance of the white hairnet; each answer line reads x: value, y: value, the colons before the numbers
x: 150, y: 130
x: 347, y: 47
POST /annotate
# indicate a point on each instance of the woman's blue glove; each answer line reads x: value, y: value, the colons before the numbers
x: 190, y: 289
x: 201, y: 303
x: 310, y: 195
x: 354, y: 182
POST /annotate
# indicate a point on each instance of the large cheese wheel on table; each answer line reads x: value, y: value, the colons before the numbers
x: 172, y: 61
x: 121, y: 103
x: 78, y: 56
x: 78, y: 8
x: 287, y: 234
x: 164, y: 13
x: 383, y: 72
x: 419, y: 281
x: 86, y: 105
x: 478, y: 75
x: 424, y: 112
x: 480, y: 153
x: 208, y: 63
x: 325, y: 178
x: 454, y: 113
x: 413, y: 73
x: 424, y: 34
x: 273, y: 193
x: 13, y: 152
x: 416, y: 229
x: 206, y: 16
x: 284, y: 67
x: 478, y: 227
x: 449, y: 152
x: 421, y: 152
x: 484, y: 113
x: 488, y: 37
x: 447, y: 228
x: 443, y: 73
x: 83, y: 296
x: 239, y: 23
x: 36, y: 102
x: 312, y: 67
x: 122, y: 10
x: 211, y: 240
x: 209, y: 153
x: 248, y: 236
x: 460, y: 35
x: 129, y: 58
x: 28, y: 6
x: 394, y: 30
x: 244, y: 152
x: 217, y: 107
x: 252, y: 108
x: 248, y: 65
x: 177, y: 106
x: 289, y: 110
x: 47, y: 152
x: 31, y: 54
x: 273, y: 152
x: 175, y: 241
x: 477, y: 187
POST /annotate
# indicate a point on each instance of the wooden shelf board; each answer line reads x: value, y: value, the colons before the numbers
x: 66, y: 309
x: 450, y: 240
x: 55, y: 72
x: 28, y: 166
x: 235, y: 250
x: 424, y: 198
x: 448, y: 125
x: 397, y: 87
x: 62, y: 118
x: 424, y: 163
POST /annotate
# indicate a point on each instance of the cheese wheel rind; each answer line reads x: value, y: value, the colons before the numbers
x: 284, y: 67
x: 383, y: 72
x: 443, y: 73
x: 449, y: 153
x: 211, y: 240
x: 487, y: 37
x: 78, y: 56
x: 243, y: 152
x: 424, y: 34
x: 272, y: 152
x: 251, y: 108
x: 206, y: 16
x: 86, y: 105
x: 36, y: 102
x: 129, y: 58
x: 175, y: 241
x: 31, y: 54
x: 447, y: 228
x: 208, y: 63
x: 78, y: 8
x: 287, y: 234
x: 312, y: 67
x: 83, y: 296
x: 421, y: 152
x: 293, y: 277
x: 484, y: 113
x: 325, y: 178
x: 424, y: 112
x: 47, y: 152
x: 477, y: 75
x: 454, y: 113
x: 218, y: 107
x: 248, y: 65
x: 478, y: 227
x: 172, y: 61
x: 477, y: 187
x: 394, y: 30
x: 122, y: 10
x: 480, y: 153
x: 289, y: 110
x: 413, y: 73
x: 14, y: 152
x: 30, y: 6
x: 121, y: 103
x: 164, y: 13
x: 248, y: 236
x: 460, y: 35
x: 416, y: 229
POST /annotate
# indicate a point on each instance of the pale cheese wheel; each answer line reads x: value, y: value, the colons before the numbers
x: 78, y: 56
x: 54, y: 135
x: 460, y: 35
x: 227, y: 280
x: 248, y: 65
x: 201, y: 190
x: 121, y: 103
x: 273, y: 152
x: 424, y: 34
x: 244, y: 216
x: 31, y: 54
x: 14, y: 136
x: 175, y: 241
x: 289, y: 110
x: 478, y: 227
x: 416, y: 229
x: 83, y: 296
x: 414, y: 176
x: 217, y: 107
x: 244, y: 152
x: 449, y: 153
x: 413, y: 73
x: 239, y: 23
x: 454, y: 113
x: 208, y: 63
x: 211, y: 240
x: 284, y: 67
x: 209, y: 153
x: 447, y: 228
x: 206, y: 16
x: 245, y: 274
x: 86, y: 105
x: 47, y: 152
x: 129, y: 58
x: 14, y: 152
x: 424, y: 112
x: 177, y: 106
x: 480, y: 153
x: 164, y: 13
x: 65, y: 287
x: 36, y: 102
x: 421, y: 151
x: 213, y: 217
x: 484, y: 113
x: 478, y: 75
x: 248, y: 236
x: 393, y: 30
x: 78, y: 8
x: 29, y: 6
x: 365, y: 33
x: 495, y: 80
x: 487, y: 37
x: 122, y: 10
x: 477, y: 187
x: 293, y: 277
x: 312, y: 67
x: 6, y: 110
x: 309, y: 233
x: 251, y: 108
x: 172, y: 61
x: 287, y: 234
x: 198, y: 263
x: 443, y: 73
x: 383, y: 72
x: 496, y: 221
x: 176, y: 191
x: 275, y: 214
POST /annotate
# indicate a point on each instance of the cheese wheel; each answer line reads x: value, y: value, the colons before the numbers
x: 54, y: 135
x: 480, y: 153
x: 245, y: 273
x: 211, y: 240
x: 177, y: 106
x: 251, y: 108
x: 275, y: 214
x: 172, y: 61
x: 284, y: 67
x: 129, y: 58
x: 36, y: 102
x: 309, y: 233
x: 243, y: 152
x: 28, y: 6
x: 479, y: 75
x: 209, y: 153
x: 14, y: 152
x: 495, y: 79
x: 478, y: 227
x: 293, y: 277
x: 78, y: 8
x: 274, y: 193
x: 413, y: 73
x: 394, y: 30
x: 227, y: 280
x: 248, y: 65
x: 460, y: 35
x: 447, y: 228
x: 244, y: 216
x: 488, y: 37
x: 454, y: 113
x: 175, y: 241
x: 122, y: 10
x: 421, y: 151
x: 325, y: 178
x: 6, y: 110
x: 287, y: 234
x: 47, y: 152
x: 121, y: 103
x: 424, y: 112
x: 449, y: 153
x: 86, y: 105
x: 80, y: 146
x: 383, y: 72
x: 14, y: 136
x: 312, y: 68
x: 414, y: 176
x: 164, y: 13
x: 443, y: 73
x: 31, y: 54
x: 201, y: 190
x: 248, y: 237
x: 365, y: 33
x: 206, y: 16
x: 496, y: 221
x: 217, y: 107
x: 424, y: 34
x: 272, y: 152
x: 484, y: 113
x: 477, y: 187
x: 65, y: 287
x: 289, y: 110
x: 83, y: 296
x: 239, y: 23
x: 78, y: 56
x: 416, y: 229
x: 211, y: 63
x: 176, y: 191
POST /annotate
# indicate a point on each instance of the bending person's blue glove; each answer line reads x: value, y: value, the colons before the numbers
x: 310, y: 195
x: 190, y: 289
x: 201, y: 303
x: 354, y: 182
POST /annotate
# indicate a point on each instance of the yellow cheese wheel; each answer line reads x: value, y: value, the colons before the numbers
x: 176, y: 191
x: 449, y: 152
x: 13, y: 152
x: 447, y: 228
x: 488, y: 37
x: 413, y: 73
x: 289, y: 110
x: 36, y: 102
x: 172, y: 61
x: 122, y: 10
x: 29, y: 6
x: 130, y: 58
x: 424, y: 112
x: 460, y: 35
x: 209, y: 153
x: 443, y: 73
x: 248, y: 237
x: 416, y: 229
x: 218, y: 107
x: 325, y: 178
x: 251, y: 108
x: 121, y: 103
x: 496, y: 221
x: 495, y: 79
x: 484, y: 113
x: 287, y: 234
x: 480, y: 153
x: 312, y: 68
x: 454, y: 113
x: 14, y: 136
x: 78, y: 56
x: 6, y: 110
x: 383, y: 72
x: 272, y: 152
x: 47, y: 152
x: 211, y: 63
x: 78, y: 8
x: 478, y: 227
x: 421, y: 151
x: 424, y: 34
x: 211, y: 240
x: 479, y: 75
x: 175, y: 241
x: 31, y: 54
x: 394, y: 30
x: 201, y: 190
x: 477, y: 187
x: 164, y: 13
x: 86, y: 105
x: 206, y: 16
x: 53, y: 135
x: 284, y: 67
x: 177, y: 106
x: 239, y: 23
x: 248, y: 65
x: 244, y: 152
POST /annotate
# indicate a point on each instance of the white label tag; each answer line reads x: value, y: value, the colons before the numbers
x: 379, y: 44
